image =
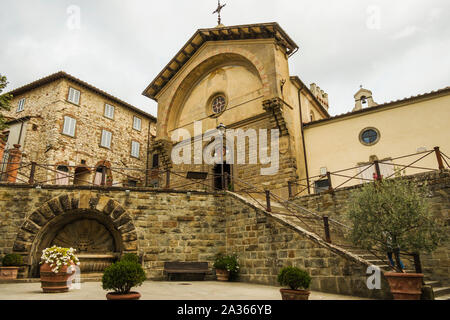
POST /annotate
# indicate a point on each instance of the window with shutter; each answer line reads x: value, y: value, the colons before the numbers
x: 137, y: 123
x: 21, y: 105
x: 106, y: 139
x: 135, y: 149
x: 69, y: 126
x: 74, y: 96
x: 109, y: 111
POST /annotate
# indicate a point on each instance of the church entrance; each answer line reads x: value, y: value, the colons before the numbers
x: 222, y: 183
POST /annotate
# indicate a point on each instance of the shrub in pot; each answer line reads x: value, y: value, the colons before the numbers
x: 226, y: 266
x: 58, y: 265
x: 393, y: 216
x: 130, y: 257
x: 10, y: 266
x: 297, y: 280
x: 121, y: 277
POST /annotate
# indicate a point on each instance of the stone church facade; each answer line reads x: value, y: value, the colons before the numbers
x: 246, y: 68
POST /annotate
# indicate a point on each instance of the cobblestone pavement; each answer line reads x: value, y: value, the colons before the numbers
x: 151, y: 290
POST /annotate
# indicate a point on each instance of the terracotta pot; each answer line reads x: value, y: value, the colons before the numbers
x: 288, y: 294
x: 222, y: 275
x: 405, y: 286
x: 128, y: 296
x: 52, y: 282
x: 8, y: 273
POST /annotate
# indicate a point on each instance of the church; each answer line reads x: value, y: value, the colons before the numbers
x: 237, y: 77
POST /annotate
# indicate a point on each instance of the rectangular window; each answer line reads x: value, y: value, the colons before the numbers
x: 69, y: 126
x: 137, y: 123
x: 21, y: 105
x: 135, y: 149
x: 74, y: 96
x: 321, y: 186
x: 109, y: 111
x: 106, y: 139
x: 155, y: 162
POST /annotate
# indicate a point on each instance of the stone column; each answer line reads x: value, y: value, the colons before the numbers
x: 12, y: 167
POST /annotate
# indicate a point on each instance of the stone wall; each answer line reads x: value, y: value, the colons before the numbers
x: 183, y: 226
x: 435, y: 265
x: 266, y: 243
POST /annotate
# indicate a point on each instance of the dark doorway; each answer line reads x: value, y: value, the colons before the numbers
x: 218, y: 185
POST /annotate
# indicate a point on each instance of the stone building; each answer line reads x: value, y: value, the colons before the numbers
x: 384, y: 132
x: 76, y: 134
x: 237, y: 76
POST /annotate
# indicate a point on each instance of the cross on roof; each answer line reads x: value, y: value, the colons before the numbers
x: 219, y: 8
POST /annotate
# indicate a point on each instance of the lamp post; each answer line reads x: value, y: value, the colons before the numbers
x: 222, y: 129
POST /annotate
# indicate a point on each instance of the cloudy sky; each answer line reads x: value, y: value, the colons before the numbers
x: 396, y: 48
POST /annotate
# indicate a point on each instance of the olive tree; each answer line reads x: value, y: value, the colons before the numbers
x: 394, y: 216
x: 5, y: 100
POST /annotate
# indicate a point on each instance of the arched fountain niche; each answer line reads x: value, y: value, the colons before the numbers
x: 97, y: 241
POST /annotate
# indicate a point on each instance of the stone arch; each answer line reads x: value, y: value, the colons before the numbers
x: 67, y: 208
x: 206, y: 64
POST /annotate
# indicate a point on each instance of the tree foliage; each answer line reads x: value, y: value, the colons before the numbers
x: 5, y: 100
x: 122, y: 276
x: 294, y: 278
x: 394, y: 215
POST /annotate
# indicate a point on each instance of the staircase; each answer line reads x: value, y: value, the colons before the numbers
x: 312, y: 222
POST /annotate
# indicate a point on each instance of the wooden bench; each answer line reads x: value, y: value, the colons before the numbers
x: 187, y: 271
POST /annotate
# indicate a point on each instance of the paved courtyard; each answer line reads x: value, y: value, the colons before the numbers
x: 151, y: 290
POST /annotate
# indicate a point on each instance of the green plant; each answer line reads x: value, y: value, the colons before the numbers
x: 394, y: 216
x: 227, y: 262
x: 12, y: 260
x: 122, y: 276
x: 294, y: 278
x: 130, y: 257
x: 5, y: 100
x: 58, y: 257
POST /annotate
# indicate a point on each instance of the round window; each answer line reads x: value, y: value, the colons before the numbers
x: 218, y: 104
x: 369, y: 136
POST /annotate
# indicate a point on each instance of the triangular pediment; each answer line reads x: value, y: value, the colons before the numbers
x: 223, y: 33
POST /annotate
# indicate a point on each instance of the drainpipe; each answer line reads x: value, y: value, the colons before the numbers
x: 303, y: 137
x: 148, y: 153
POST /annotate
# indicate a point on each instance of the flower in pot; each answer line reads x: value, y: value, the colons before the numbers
x: 297, y: 280
x: 10, y: 266
x: 393, y: 217
x: 227, y: 267
x: 121, y: 277
x: 57, y: 267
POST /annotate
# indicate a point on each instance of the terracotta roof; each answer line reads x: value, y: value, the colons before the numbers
x: 240, y: 32
x: 445, y: 90
x: 64, y: 75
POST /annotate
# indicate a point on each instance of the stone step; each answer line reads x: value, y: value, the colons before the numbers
x: 441, y: 291
x: 444, y: 297
x: 433, y: 283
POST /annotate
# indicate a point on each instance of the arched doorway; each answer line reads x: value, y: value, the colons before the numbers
x: 82, y: 176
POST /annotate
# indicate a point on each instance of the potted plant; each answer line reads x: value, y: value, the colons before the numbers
x: 392, y: 216
x: 226, y: 266
x: 294, y: 278
x: 10, y: 266
x: 121, y: 277
x: 57, y: 268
